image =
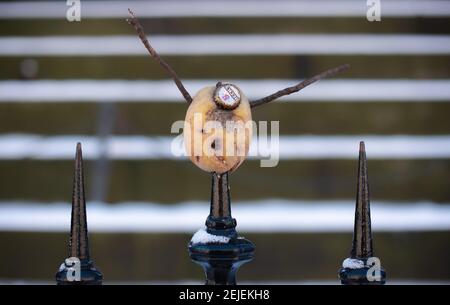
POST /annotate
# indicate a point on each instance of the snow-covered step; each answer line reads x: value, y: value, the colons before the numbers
x: 228, y: 9
x: 227, y: 44
x: 332, y: 90
x: 265, y: 216
x: 27, y: 146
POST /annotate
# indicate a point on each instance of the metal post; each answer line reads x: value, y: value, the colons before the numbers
x: 78, y: 268
x: 362, y: 268
x: 219, y: 249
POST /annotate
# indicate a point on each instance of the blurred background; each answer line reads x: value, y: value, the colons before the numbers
x: 92, y: 81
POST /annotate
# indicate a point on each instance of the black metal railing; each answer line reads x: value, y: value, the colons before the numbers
x: 78, y: 268
x: 362, y: 267
x: 221, y: 251
x: 221, y: 260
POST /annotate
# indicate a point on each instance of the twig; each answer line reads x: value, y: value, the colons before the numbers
x: 140, y: 30
x: 299, y: 86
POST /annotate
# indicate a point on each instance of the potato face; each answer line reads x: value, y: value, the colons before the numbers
x: 217, y: 131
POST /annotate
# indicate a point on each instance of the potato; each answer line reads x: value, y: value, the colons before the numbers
x: 218, y: 128
x: 225, y: 150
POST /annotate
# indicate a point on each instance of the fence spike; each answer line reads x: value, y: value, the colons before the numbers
x: 78, y: 268
x: 362, y: 238
x: 361, y: 267
x: 220, y: 250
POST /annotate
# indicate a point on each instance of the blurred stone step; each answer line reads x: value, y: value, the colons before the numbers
x: 247, y: 9
x: 37, y: 27
x: 243, y: 67
x: 325, y: 118
x: 255, y: 216
x: 249, y: 44
x: 296, y: 179
x: 138, y: 257
x: 118, y: 90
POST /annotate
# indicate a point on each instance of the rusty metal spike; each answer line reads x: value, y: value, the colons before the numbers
x: 220, y: 196
x: 79, y: 243
x: 362, y: 268
x: 362, y: 236
x: 220, y: 211
x: 79, y: 257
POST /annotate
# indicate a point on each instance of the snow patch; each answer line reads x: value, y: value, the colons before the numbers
x: 353, y: 263
x: 255, y: 216
x: 203, y: 237
x: 16, y: 146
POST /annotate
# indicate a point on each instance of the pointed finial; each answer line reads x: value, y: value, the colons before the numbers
x: 362, y: 268
x: 79, y: 242
x: 362, y: 235
x: 78, y: 267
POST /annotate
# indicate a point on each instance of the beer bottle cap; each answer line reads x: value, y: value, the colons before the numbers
x: 227, y: 96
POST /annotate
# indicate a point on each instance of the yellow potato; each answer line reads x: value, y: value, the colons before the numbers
x: 222, y: 103
x: 218, y: 130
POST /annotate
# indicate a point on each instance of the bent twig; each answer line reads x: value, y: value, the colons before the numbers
x: 140, y: 31
x: 299, y: 86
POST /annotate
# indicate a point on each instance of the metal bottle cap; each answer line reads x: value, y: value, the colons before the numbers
x: 227, y: 96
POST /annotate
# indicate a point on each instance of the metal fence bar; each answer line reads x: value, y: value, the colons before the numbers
x: 78, y: 268
x: 219, y: 249
x: 362, y: 267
